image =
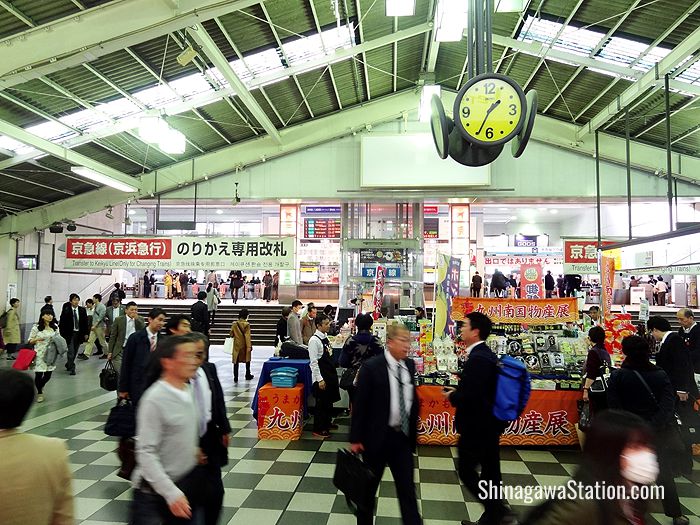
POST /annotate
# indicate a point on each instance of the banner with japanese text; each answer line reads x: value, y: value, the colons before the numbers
x: 531, y: 286
x: 549, y: 419
x: 581, y: 255
x: 152, y: 252
x: 515, y: 260
x: 518, y: 311
x: 448, y: 269
x: 378, y: 294
x: 280, y: 412
x: 607, y: 283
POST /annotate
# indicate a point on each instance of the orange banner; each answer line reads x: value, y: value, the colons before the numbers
x: 549, y: 419
x: 607, y: 283
x: 531, y: 286
x: 518, y: 311
x: 280, y: 412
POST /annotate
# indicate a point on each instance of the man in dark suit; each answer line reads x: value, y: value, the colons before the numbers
x: 690, y: 332
x: 122, y: 328
x: 137, y: 353
x: 215, y: 432
x: 74, y: 327
x: 384, y: 421
x: 478, y: 428
x: 114, y: 310
x: 549, y: 284
x: 674, y: 357
x: 200, y: 314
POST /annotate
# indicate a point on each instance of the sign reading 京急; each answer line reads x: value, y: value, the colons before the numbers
x: 215, y: 253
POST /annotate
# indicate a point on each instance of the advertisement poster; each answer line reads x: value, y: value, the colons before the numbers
x: 381, y: 256
x: 531, y: 281
x: 514, y: 311
x: 549, y: 418
x: 211, y: 253
x: 447, y: 289
x: 607, y: 284
x: 378, y: 294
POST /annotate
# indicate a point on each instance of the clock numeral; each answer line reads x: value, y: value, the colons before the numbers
x: 513, y: 109
x: 466, y: 111
x: 490, y: 88
x: 489, y: 133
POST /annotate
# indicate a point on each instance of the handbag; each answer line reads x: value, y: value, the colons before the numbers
x: 228, y: 345
x: 354, y: 478
x: 347, y: 380
x: 121, y: 421
x: 109, y: 377
x: 584, y: 418
x: 25, y: 357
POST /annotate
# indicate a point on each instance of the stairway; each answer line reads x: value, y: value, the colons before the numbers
x: 263, y: 319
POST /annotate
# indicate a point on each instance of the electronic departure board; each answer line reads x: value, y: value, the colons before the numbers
x: 322, y: 228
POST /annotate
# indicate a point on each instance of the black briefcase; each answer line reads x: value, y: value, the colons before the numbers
x: 355, y: 479
x: 109, y: 377
x: 121, y: 421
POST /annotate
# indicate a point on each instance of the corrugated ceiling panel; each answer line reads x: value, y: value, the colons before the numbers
x: 420, y: 17
x: 16, y: 115
x: 600, y: 13
x: 44, y: 97
x: 248, y: 29
x: 10, y: 25
x: 349, y: 78
x: 99, y: 154
x: 578, y: 94
x: 197, y: 131
x: 520, y: 66
x: 408, y: 66
x: 287, y: 100
x: 505, y: 23
x: 262, y: 102
x: 59, y: 172
x: 319, y: 95
x: 606, y: 99
x: 683, y: 30
x: 227, y: 120
x: 450, y: 62
x: 122, y: 69
x: 45, y: 10
x: 81, y: 82
x: 291, y: 17
x: 326, y: 14
x: 375, y: 23
x: 649, y: 22
x: 549, y: 76
x: 380, y: 79
x: 137, y: 150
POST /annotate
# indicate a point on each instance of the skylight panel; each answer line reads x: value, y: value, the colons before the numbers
x: 85, y: 120
x: 338, y: 37
x: 264, y: 63
x: 51, y: 131
x: 119, y: 108
x: 303, y: 50
x: 191, y: 85
x: 156, y: 97
x: 649, y: 60
x: 691, y: 75
x: 19, y: 148
x: 621, y: 51
x: 573, y: 40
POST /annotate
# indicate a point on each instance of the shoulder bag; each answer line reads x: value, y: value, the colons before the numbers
x: 109, y: 377
x: 121, y: 421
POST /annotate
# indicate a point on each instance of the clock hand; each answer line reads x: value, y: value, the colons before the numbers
x: 488, y: 112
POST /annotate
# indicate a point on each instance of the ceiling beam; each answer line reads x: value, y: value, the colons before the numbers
x: 68, y: 155
x: 497, y: 67
x: 648, y: 127
x: 100, y: 31
x: 312, y: 7
x: 28, y: 180
x: 650, y: 81
x: 214, y: 54
x: 297, y: 137
x: 358, y: 10
x: 17, y: 13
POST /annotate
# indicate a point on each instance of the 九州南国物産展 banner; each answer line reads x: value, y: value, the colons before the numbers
x: 212, y: 253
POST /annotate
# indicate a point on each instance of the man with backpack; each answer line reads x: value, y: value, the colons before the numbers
x: 478, y: 427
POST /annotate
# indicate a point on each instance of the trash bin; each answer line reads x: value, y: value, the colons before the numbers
x: 159, y: 291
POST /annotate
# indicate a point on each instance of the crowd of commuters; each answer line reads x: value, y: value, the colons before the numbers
x: 182, y: 431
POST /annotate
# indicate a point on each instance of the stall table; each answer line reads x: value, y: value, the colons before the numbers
x: 280, y: 412
x: 549, y: 419
x: 304, y: 377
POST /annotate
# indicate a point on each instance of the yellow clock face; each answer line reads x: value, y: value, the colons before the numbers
x: 490, y: 109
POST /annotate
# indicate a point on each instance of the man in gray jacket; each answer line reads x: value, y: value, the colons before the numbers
x: 97, y: 330
x: 167, y: 439
x: 294, y: 323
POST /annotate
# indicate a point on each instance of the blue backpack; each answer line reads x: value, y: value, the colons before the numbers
x: 512, y: 389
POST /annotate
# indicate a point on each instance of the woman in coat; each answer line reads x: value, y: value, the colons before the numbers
x: 40, y: 336
x: 597, y: 358
x: 242, y: 347
x: 213, y: 300
x: 11, y: 333
x: 618, y: 452
x: 645, y: 389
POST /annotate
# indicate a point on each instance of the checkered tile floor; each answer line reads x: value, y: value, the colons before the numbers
x: 287, y: 483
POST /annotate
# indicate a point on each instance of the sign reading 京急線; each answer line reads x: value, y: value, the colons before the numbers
x: 215, y: 253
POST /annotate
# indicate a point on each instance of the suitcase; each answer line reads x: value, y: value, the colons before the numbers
x: 25, y: 357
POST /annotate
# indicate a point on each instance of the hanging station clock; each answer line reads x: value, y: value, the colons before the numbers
x: 490, y: 110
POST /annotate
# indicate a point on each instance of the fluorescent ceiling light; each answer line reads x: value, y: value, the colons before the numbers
x: 219, y: 212
x: 400, y: 7
x: 450, y: 20
x: 101, y: 178
x: 509, y: 6
x: 172, y: 141
x: 426, y: 96
x: 152, y: 128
